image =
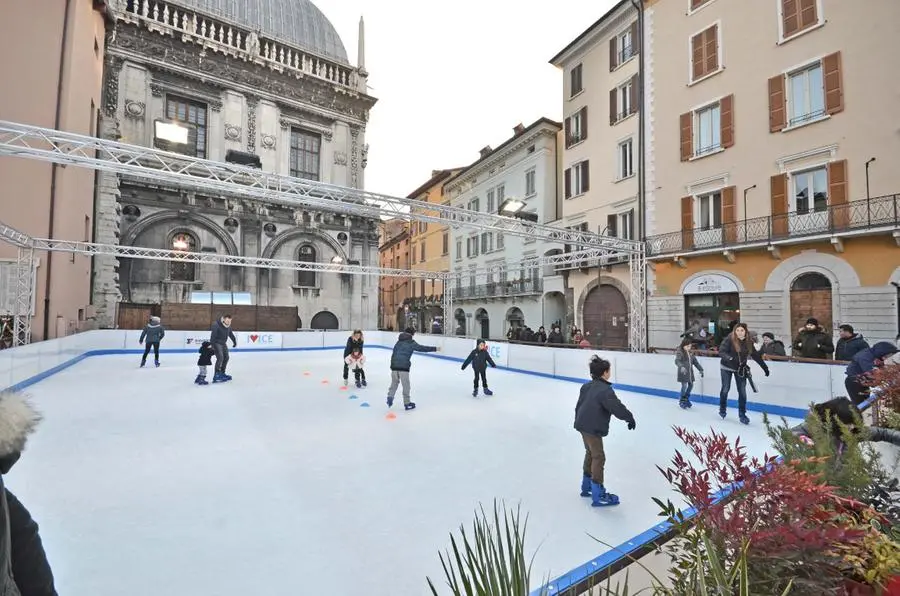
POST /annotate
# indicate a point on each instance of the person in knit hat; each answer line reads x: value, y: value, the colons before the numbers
x: 813, y: 342
x: 479, y: 358
x: 153, y: 333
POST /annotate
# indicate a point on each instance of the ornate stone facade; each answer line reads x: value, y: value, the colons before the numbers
x: 237, y: 91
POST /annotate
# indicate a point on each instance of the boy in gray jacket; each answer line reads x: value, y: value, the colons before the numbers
x: 153, y: 333
x: 401, y: 361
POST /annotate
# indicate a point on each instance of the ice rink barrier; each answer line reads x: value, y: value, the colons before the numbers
x: 787, y: 392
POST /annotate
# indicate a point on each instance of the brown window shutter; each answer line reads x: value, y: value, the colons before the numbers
x: 729, y: 214
x: 585, y: 176
x: 711, y: 49
x: 726, y: 112
x: 687, y: 136
x: 611, y: 224
x: 790, y: 17
x: 568, y: 184
x: 778, y: 191
x: 687, y: 222
x: 584, y: 123
x: 635, y: 94
x: 613, y: 109
x: 834, y: 87
x: 613, y: 54
x: 837, y: 194
x: 777, y: 107
x: 635, y: 39
x: 697, y: 62
x: 568, y: 125
x: 808, y: 14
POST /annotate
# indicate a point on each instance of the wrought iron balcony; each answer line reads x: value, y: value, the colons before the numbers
x: 527, y: 287
x: 879, y: 212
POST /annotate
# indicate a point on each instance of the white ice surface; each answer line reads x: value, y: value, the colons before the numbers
x: 275, y: 483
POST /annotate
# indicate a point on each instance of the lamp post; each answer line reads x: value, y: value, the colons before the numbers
x: 746, y: 190
x: 868, y: 194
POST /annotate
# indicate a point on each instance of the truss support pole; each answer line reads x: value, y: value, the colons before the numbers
x: 448, y: 305
x: 637, y: 324
x: 24, y: 296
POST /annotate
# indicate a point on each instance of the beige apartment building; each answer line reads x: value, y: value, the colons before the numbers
x: 772, y: 165
x: 601, y: 102
x: 52, y: 74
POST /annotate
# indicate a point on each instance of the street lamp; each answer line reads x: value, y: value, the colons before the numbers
x: 513, y: 207
x: 746, y: 190
x: 868, y: 194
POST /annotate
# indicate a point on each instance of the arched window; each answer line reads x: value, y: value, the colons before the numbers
x: 306, y: 254
x: 811, y: 281
x: 183, y: 270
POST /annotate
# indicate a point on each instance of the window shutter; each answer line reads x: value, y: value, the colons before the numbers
x: 834, y: 91
x: 635, y: 95
x: 687, y: 222
x: 778, y: 191
x: 711, y: 49
x: 635, y: 39
x: 631, y: 224
x: 837, y: 194
x: 611, y: 225
x: 613, y: 54
x: 568, y: 125
x: 584, y: 123
x: 790, y: 17
x: 777, y: 107
x: 697, y: 63
x: 808, y: 14
x: 585, y: 176
x: 568, y: 183
x: 726, y: 112
x: 729, y: 215
x: 613, y: 109
x: 687, y: 136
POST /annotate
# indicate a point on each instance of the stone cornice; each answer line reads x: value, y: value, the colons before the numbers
x: 599, y: 32
x: 500, y: 156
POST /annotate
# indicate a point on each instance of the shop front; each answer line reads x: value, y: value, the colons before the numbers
x: 712, y: 307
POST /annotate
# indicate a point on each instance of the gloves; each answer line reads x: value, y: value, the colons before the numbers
x: 462, y: 368
x: 632, y: 425
x: 234, y: 344
x: 701, y: 374
x: 766, y: 370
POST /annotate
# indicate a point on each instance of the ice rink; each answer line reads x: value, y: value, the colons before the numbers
x: 279, y: 482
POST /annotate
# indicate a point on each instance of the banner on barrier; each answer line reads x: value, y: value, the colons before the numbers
x: 498, y: 353
x: 195, y: 339
x: 259, y: 339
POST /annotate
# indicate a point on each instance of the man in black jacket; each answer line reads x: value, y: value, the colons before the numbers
x: 597, y: 402
x: 401, y: 362
x: 24, y: 569
x: 219, y: 335
x: 813, y: 342
x: 849, y: 344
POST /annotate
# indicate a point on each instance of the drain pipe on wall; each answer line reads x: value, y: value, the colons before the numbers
x: 54, y: 168
x: 642, y: 127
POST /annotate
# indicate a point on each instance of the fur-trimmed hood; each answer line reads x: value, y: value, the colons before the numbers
x: 18, y: 419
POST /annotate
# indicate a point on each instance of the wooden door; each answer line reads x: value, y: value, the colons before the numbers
x: 811, y: 297
x: 606, y: 317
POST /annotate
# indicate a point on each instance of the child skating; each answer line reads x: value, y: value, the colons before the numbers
x: 401, y: 362
x: 686, y: 361
x: 355, y: 362
x: 597, y: 403
x: 206, y: 354
x: 353, y: 342
x: 153, y: 332
x: 479, y: 359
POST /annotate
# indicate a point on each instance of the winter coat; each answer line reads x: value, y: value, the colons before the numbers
x: 555, y: 337
x: 597, y: 402
x: 206, y: 353
x: 732, y: 359
x: 24, y: 569
x: 813, y: 344
x: 479, y: 359
x: 401, y: 357
x: 351, y: 344
x: 686, y: 364
x: 541, y: 336
x: 866, y: 361
x: 355, y: 363
x: 220, y: 334
x: 773, y: 348
x: 846, y: 349
x: 153, y: 333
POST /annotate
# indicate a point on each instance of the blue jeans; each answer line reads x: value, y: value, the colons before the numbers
x: 741, y: 383
x: 686, y: 387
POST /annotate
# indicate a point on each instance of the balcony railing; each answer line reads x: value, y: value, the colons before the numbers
x: 880, y: 212
x: 528, y: 287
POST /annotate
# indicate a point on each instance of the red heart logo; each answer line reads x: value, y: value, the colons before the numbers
x: 253, y: 338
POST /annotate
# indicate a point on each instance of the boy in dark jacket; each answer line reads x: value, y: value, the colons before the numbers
x: 686, y: 362
x: 862, y: 364
x: 771, y: 346
x: 218, y: 336
x: 353, y: 342
x: 479, y: 359
x: 812, y: 342
x: 401, y: 361
x: 849, y: 344
x: 597, y: 402
x: 206, y: 354
x: 153, y: 333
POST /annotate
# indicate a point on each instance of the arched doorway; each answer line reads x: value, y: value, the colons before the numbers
x: 605, y: 317
x: 514, y: 318
x: 811, y: 297
x: 484, y: 323
x: 460, y: 317
x: 324, y: 320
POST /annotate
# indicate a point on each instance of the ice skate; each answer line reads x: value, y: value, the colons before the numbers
x: 358, y: 384
x: 722, y: 414
x: 219, y: 378
x: 601, y: 498
x: 409, y: 406
x: 488, y: 392
x: 684, y: 403
x: 390, y: 401
x: 475, y: 393
x: 345, y: 382
x: 143, y: 364
x: 586, y: 485
x: 156, y: 363
x: 201, y: 380
x: 364, y: 384
x: 743, y: 418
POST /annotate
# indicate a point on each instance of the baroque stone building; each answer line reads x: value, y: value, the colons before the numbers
x: 266, y: 77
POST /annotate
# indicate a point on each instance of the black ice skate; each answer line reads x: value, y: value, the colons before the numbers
x: 409, y: 406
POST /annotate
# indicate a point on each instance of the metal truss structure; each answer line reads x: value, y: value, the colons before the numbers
x: 158, y: 166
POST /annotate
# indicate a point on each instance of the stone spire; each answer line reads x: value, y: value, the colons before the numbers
x: 361, y: 58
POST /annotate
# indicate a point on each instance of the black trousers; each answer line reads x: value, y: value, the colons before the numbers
x: 856, y: 391
x: 346, y: 370
x: 359, y: 374
x: 483, y: 375
x: 147, y: 346
x: 221, y: 357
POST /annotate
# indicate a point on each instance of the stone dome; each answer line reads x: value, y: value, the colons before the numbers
x: 297, y: 22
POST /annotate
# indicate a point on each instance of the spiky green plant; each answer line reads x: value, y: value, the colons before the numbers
x: 492, y: 562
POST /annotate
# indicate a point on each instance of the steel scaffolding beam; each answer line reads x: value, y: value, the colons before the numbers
x: 32, y: 142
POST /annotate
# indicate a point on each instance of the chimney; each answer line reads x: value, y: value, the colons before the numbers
x: 485, y: 151
x: 518, y: 129
x: 435, y: 172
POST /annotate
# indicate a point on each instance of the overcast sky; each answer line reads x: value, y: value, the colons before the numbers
x: 451, y: 78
